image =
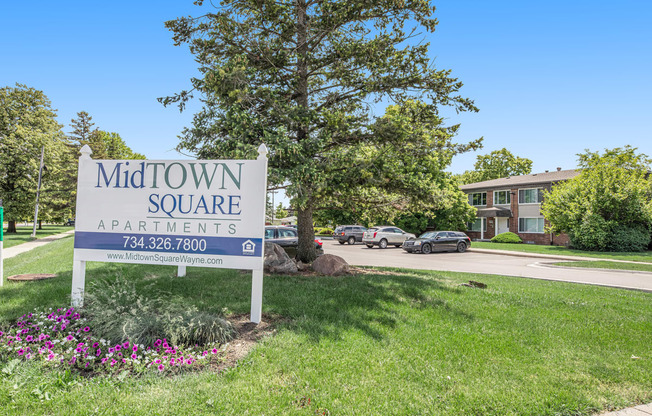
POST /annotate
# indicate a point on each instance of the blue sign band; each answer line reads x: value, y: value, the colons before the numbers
x: 156, y: 243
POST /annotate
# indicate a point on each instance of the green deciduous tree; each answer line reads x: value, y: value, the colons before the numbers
x: 280, y: 212
x: 109, y: 145
x: 497, y: 164
x: 301, y: 76
x: 607, y: 207
x: 27, y: 123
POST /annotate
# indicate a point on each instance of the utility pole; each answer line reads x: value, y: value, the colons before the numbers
x: 38, y: 191
x: 273, y: 208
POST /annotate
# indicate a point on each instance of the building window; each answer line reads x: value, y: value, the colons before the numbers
x: 478, y: 199
x: 530, y: 196
x: 502, y: 198
x: 530, y: 225
x: 477, y: 225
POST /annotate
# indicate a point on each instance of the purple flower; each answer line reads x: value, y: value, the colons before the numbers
x: 157, y: 361
x: 161, y: 367
x: 134, y: 356
x: 157, y: 343
x: 104, y: 360
x: 50, y: 356
x: 118, y: 347
x: 70, y: 337
x: 111, y: 350
x: 214, y: 350
x: 96, y: 344
x: 125, y: 344
x: 29, y: 338
x: 189, y: 361
x: 86, y: 329
x: 172, y: 361
x: 63, y: 326
x: 21, y: 351
x: 134, y: 348
x: 99, y: 351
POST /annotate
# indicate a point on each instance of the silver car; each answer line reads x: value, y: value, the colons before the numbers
x: 382, y: 236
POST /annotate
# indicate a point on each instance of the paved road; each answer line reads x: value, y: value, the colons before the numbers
x: 471, y: 262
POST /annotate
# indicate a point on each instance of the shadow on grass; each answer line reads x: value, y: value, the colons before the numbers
x: 319, y: 307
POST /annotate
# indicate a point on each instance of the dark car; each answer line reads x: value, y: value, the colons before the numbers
x: 438, y: 241
x: 286, y: 237
x: 348, y: 233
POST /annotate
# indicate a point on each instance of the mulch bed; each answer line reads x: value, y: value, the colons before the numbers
x: 248, y: 335
x: 31, y: 277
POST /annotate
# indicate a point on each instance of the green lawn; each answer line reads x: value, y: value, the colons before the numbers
x: 607, y: 265
x: 411, y: 343
x: 563, y: 251
x: 24, y: 234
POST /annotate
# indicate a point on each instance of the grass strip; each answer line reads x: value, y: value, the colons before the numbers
x: 607, y: 265
x: 390, y: 342
x: 563, y: 251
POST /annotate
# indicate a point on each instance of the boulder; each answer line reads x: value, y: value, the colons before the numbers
x: 330, y: 265
x: 277, y: 260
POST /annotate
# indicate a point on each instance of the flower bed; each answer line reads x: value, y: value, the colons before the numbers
x: 63, y: 338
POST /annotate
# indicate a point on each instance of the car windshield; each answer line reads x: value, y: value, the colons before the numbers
x: 373, y: 229
x: 429, y: 234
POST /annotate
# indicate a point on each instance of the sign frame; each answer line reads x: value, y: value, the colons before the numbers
x: 88, y: 246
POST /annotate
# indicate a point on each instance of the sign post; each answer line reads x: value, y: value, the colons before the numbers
x: 202, y: 213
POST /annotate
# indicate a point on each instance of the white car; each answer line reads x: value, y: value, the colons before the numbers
x: 382, y: 236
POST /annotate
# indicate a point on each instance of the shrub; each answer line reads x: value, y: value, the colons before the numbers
x: 628, y: 238
x: 325, y: 231
x: 119, y: 313
x: 507, y: 237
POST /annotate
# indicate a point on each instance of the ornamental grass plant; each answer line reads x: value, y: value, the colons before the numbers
x: 117, y: 311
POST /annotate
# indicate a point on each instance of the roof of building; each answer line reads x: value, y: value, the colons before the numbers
x: 534, y: 178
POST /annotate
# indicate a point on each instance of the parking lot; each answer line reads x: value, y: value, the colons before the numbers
x: 473, y: 262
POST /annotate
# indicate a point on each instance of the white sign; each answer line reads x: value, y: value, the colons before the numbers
x: 204, y: 213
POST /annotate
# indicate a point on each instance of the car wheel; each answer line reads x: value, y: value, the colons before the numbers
x: 383, y: 243
x: 341, y: 242
x: 426, y: 249
x: 370, y: 246
x: 351, y: 240
x: 461, y: 247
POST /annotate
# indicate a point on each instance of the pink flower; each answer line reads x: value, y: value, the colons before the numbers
x: 96, y: 344
x: 29, y: 338
x: 214, y: 350
x: 21, y: 351
x: 111, y: 350
x: 118, y: 347
x: 161, y: 367
x: 86, y: 329
x: 99, y: 351
x: 70, y: 337
x: 134, y: 356
x: 134, y: 348
x: 125, y: 345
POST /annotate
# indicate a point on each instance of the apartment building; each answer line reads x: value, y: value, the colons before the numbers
x: 514, y: 204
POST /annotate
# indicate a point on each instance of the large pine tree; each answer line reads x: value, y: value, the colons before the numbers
x: 303, y: 76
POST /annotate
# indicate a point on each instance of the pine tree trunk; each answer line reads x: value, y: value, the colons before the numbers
x: 306, y: 251
x: 11, y: 228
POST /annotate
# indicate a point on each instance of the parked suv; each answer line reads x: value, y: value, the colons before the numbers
x: 438, y: 241
x: 348, y: 233
x: 286, y: 237
x: 383, y: 236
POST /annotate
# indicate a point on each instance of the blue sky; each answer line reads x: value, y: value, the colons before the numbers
x: 550, y: 78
